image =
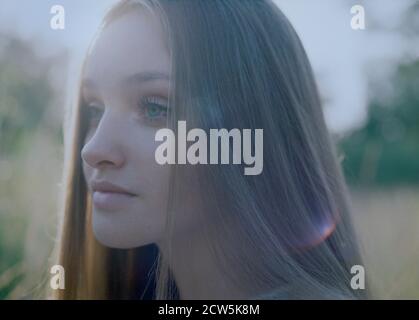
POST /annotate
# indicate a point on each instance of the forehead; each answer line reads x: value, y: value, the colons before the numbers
x: 132, y: 43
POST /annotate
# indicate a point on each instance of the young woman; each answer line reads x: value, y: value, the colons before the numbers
x: 133, y: 228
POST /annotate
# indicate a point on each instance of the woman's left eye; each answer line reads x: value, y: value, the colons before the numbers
x: 154, y: 109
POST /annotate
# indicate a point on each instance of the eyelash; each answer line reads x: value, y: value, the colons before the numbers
x: 156, y: 107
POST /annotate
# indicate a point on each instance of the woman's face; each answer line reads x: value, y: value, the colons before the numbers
x: 125, y: 90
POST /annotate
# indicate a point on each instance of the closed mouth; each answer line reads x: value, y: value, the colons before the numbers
x: 106, y: 187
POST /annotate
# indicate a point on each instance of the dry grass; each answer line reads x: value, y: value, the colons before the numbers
x: 388, y: 225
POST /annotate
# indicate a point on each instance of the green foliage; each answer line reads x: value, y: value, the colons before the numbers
x: 24, y: 93
x: 385, y: 151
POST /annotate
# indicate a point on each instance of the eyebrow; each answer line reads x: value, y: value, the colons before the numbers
x: 135, y: 78
x: 147, y: 76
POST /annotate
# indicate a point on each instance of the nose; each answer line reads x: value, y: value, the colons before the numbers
x: 102, y: 149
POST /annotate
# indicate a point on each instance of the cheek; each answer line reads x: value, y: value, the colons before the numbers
x: 141, y: 153
x: 143, y: 172
x: 156, y: 181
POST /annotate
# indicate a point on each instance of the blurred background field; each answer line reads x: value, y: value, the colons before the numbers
x: 379, y: 144
x: 387, y: 222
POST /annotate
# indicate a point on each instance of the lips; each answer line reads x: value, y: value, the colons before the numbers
x: 111, y: 197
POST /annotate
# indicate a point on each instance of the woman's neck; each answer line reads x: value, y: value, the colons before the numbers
x: 196, y: 273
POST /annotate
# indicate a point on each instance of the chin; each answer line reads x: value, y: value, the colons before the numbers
x: 112, y: 235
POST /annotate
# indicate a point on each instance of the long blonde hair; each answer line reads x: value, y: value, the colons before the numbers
x: 235, y: 63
